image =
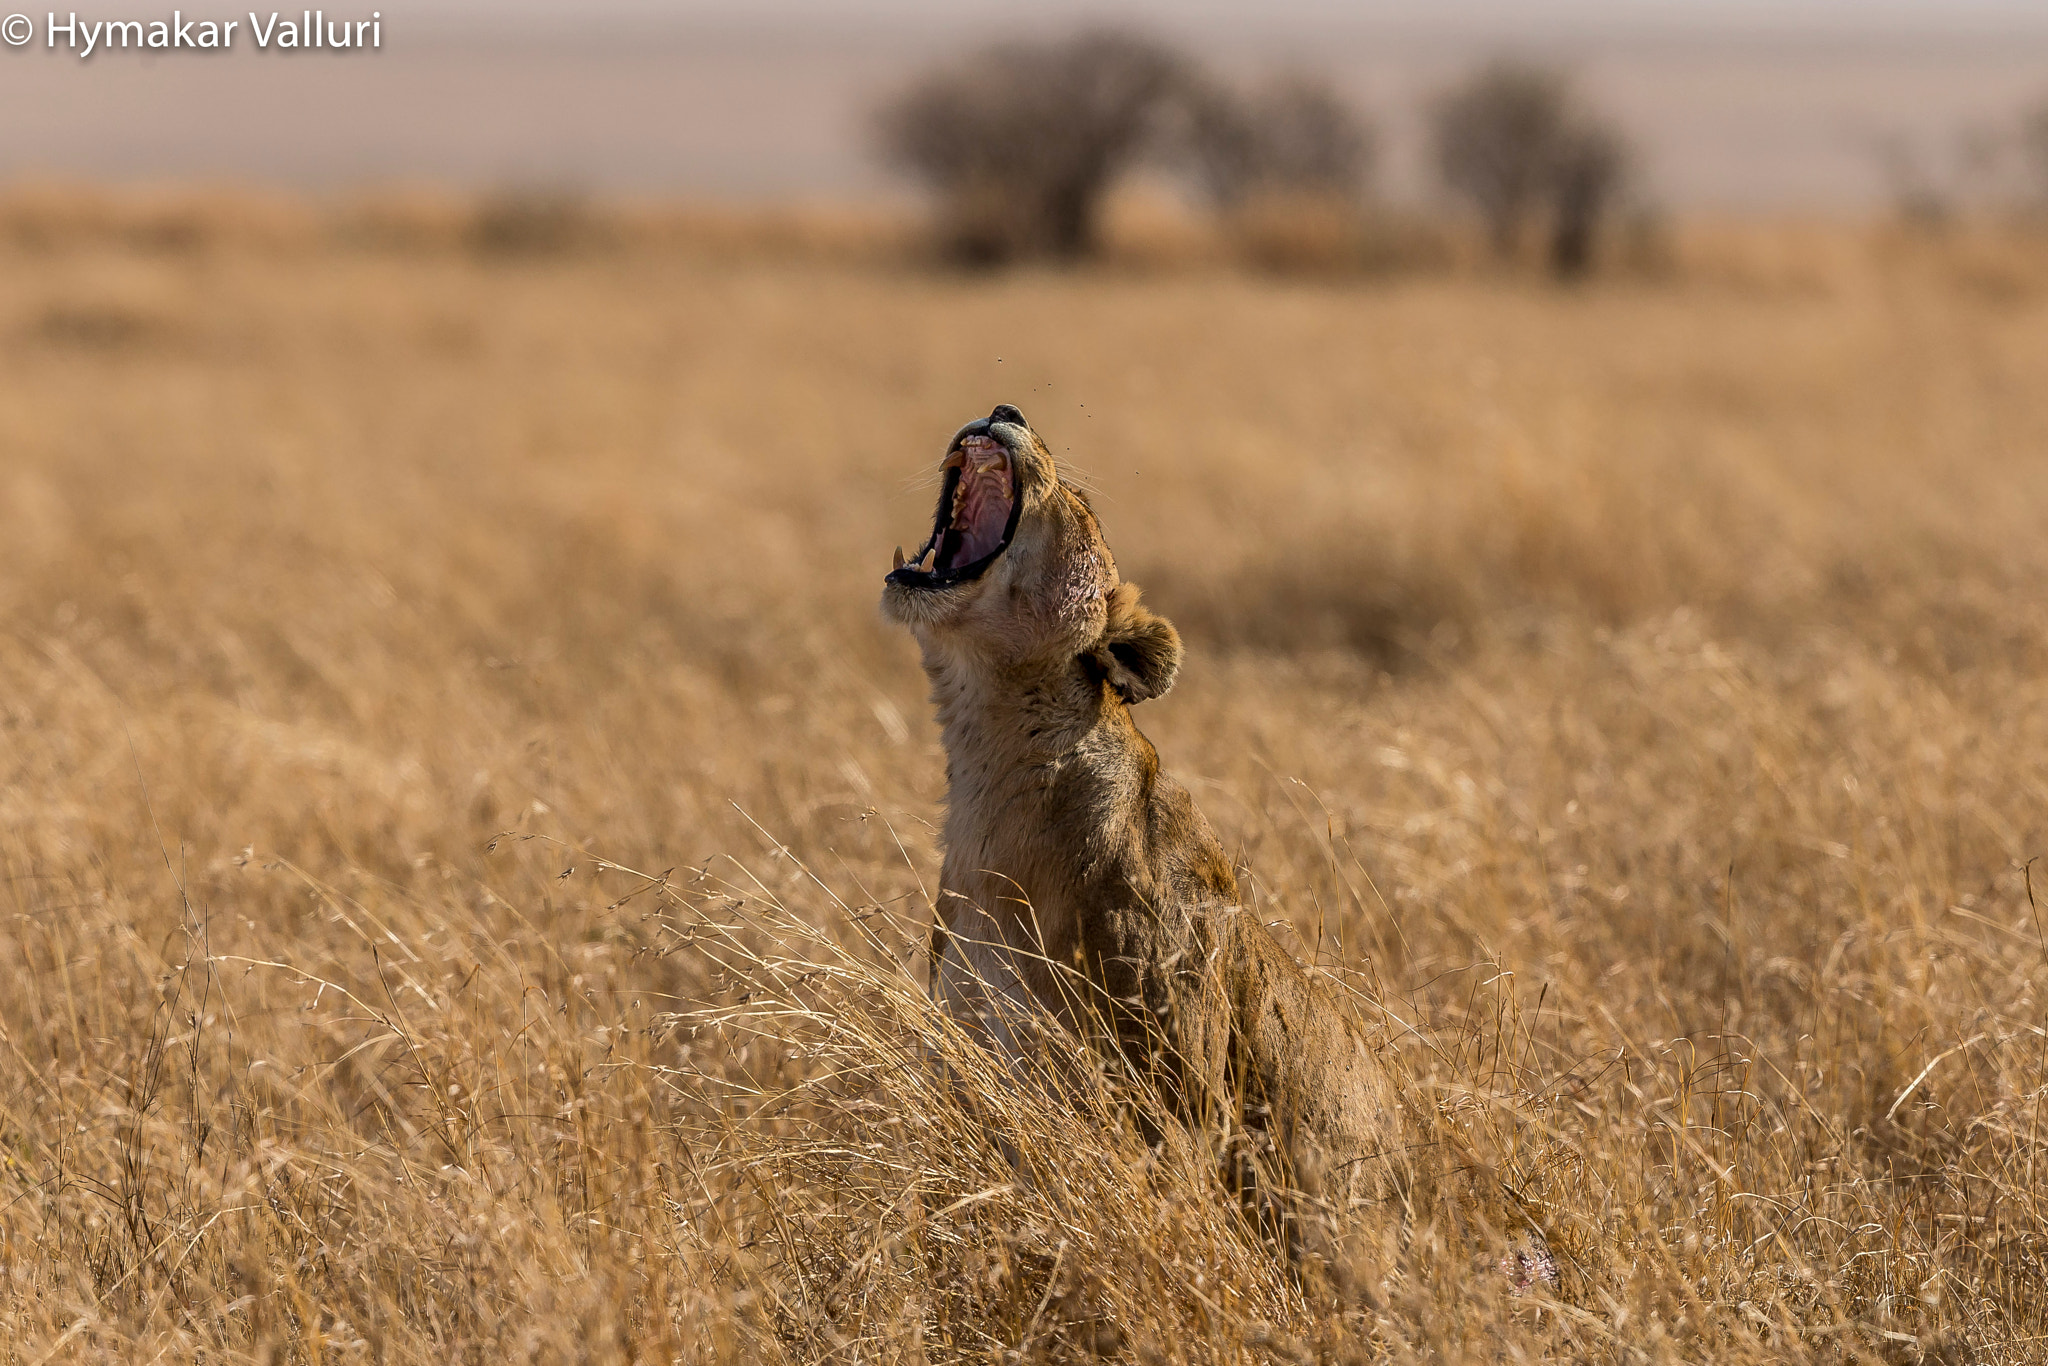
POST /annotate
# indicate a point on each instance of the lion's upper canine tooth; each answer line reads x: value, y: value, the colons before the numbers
x: 899, y: 557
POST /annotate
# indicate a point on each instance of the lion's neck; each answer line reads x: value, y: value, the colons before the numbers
x: 1033, y: 757
x: 1004, y: 726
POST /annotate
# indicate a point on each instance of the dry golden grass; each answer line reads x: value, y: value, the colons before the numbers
x: 1646, y: 686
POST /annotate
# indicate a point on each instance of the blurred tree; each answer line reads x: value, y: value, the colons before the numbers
x: 1022, y: 140
x: 1496, y: 137
x: 534, y: 223
x: 1588, y: 168
x: 1293, y: 137
x: 1918, y: 196
x: 1513, y: 140
x: 2034, y: 138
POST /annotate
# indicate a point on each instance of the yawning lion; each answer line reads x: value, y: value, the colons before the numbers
x: 1080, y: 880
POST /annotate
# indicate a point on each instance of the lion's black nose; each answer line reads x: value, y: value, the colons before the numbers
x: 1005, y: 413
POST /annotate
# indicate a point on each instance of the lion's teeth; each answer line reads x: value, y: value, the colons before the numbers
x: 931, y: 557
x: 899, y: 557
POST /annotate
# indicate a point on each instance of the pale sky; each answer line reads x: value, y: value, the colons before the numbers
x: 1761, y: 16
x: 1741, y: 104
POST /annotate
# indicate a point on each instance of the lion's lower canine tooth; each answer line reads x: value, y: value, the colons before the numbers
x: 899, y: 557
x: 931, y: 557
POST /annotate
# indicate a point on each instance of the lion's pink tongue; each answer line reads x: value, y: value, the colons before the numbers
x: 981, y: 509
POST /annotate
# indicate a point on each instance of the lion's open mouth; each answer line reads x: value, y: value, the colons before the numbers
x: 977, y: 516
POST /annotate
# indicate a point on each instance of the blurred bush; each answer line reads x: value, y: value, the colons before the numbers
x: 159, y: 221
x: 1297, y: 233
x: 535, y: 223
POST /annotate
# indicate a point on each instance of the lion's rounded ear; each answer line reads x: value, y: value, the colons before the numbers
x: 1139, y: 651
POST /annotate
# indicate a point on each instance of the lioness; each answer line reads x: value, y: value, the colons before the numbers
x: 1066, y: 845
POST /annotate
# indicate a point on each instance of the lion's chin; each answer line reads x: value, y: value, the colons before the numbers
x: 921, y: 606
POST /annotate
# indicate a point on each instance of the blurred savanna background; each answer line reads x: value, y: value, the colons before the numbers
x: 468, y: 838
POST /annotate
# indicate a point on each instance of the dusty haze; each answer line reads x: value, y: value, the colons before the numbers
x: 1734, y: 106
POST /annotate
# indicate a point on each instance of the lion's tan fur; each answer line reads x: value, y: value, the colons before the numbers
x: 1081, y: 880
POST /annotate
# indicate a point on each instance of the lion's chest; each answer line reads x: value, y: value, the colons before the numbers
x: 1023, y: 894
x: 1028, y: 860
